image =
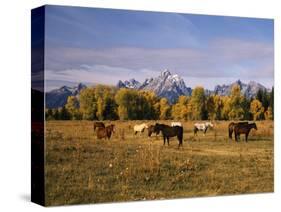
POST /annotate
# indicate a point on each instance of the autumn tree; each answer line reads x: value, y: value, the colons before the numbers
x: 218, y: 102
x: 211, y: 107
x: 256, y: 109
x: 152, y: 105
x: 235, y: 103
x: 226, y: 107
x: 72, y: 107
x: 165, y: 109
x: 179, y: 110
x: 197, y: 102
x: 132, y: 105
x: 88, y: 103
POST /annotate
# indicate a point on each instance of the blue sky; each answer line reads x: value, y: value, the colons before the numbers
x: 102, y: 46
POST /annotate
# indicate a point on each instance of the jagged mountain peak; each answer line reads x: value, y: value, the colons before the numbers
x: 58, y: 97
x: 165, y: 73
x: 248, y: 89
x: 167, y: 85
x: 131, y: 83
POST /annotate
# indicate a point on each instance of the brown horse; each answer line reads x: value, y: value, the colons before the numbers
x: 105, y: 132
x: 244, y: 129
x: 168, y: 132
x: 98, y: 124
x: 232, y: 125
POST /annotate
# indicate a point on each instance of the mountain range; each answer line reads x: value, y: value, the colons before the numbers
x: 248, y: 89
x: 58, y: 97
x: 167, y: 85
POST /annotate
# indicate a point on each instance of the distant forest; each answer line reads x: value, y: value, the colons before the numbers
x: 109, y: 103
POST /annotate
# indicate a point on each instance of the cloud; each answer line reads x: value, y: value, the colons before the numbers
x: 101, y: 74
x: 222, y: 58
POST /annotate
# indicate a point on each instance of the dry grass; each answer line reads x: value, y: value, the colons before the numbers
x: 82, y: 169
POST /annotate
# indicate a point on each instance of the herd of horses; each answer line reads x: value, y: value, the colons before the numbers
x: 175, y: 130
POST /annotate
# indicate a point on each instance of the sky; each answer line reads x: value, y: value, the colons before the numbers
x: 93, y: 46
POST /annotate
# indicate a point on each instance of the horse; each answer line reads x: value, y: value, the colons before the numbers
x: 150, y: 130
x: 173, y: 124
x: 105, y: 132
x: 168, y: 131
x: 232, y: 125
x: 98, y: 124
x: 202, y: 127
x: 244, y: 129
x: 140, y: 128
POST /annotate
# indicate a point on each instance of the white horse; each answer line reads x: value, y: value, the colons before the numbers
x: 140, y: 128
x: 173, y: 124
x: 202, y: 127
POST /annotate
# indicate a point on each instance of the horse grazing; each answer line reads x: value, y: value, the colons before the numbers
x: 202, y: 127
x: 244, y: 129
x: 173, y: 124
x: 105, y: 132
x: 150, y: 130
x: 168, y: 131
x: 140, y: 128
x: 98, y: 124
x: 232, y: 125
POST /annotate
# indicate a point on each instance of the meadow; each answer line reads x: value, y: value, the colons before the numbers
x: 83, y: 169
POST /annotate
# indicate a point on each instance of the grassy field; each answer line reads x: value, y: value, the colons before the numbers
x: 82, y: 169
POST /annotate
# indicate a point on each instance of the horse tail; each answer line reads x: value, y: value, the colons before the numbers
x: 180, y: 135
x: 230, y: 129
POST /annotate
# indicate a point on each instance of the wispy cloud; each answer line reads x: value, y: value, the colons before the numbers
x: 101, y: 45
x: 222, y: 58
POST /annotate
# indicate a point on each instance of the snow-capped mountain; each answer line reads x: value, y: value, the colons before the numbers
x: 58, y: 97
x: 165, y: 85
x: 132, y: 83
x: 248, y: 89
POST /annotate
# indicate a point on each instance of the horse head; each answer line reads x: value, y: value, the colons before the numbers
x: 157, y: 128
x: 209, y: 124
x: 112, y: 126
x: 150, y: 130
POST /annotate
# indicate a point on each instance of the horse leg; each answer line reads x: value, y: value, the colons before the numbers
x: 235, y: 134
x: 246, y: 137
x: 136, y: 132
x: 180, y: 140
x: 168, y: 140
x: 230, y: 133
x: 195, y: 131
x: 164, y: 140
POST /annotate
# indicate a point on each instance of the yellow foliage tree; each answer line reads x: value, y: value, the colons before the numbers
x: 164, y: 109
x: 235, y: 104
x: 256, y: 109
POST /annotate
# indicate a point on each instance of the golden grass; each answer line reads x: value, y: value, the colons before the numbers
x: 82, y: 169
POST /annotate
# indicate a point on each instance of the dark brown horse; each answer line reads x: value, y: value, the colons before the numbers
x: 98, y: 124
x: 168, y: 131
x: 243, y: 129
x: 232, y: 125
x: 105, y: 132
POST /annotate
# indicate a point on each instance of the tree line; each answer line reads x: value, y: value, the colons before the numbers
x: 109, y: 103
